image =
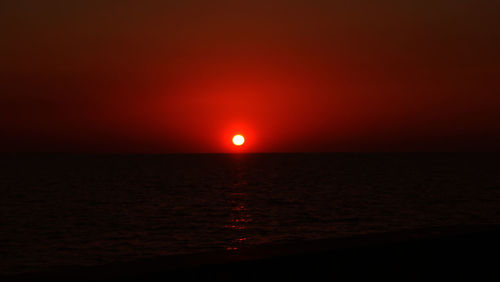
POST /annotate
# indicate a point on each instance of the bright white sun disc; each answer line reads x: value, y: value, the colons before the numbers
x: 238, y: 140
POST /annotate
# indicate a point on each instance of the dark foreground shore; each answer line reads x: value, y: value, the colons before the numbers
x: 433, y: 253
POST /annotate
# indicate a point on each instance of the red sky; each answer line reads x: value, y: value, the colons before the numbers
x: 292, y: 76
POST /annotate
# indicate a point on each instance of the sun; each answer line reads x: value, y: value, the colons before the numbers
x: 238, y: 139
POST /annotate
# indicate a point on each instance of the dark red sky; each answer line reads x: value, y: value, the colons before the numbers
x: 184, y: 76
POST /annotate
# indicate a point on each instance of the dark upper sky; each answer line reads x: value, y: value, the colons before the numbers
x: 184, y: 76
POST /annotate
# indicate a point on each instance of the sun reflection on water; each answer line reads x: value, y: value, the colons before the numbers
x: 240, y: 214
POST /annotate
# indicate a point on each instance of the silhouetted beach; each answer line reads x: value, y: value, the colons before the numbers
x: 431, y: 253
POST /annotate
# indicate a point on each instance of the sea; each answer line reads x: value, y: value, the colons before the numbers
x: 92, y: 209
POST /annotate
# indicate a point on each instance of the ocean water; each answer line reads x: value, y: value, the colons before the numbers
x: 60, y: 210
